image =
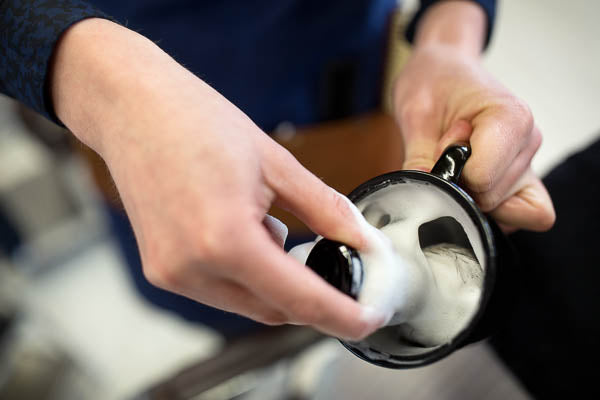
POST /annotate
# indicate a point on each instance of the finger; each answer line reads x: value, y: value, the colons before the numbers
x: 421, y: 139
x: 276, y: 228
x: 324, y: 210
x: 500, y: 133
x: 459, y: 132
x: 419, y: 154
x: 510, y: 183
x: 420, y: 129
x: 303, y: 296
x: 231, y: 297
x: 530, y: 208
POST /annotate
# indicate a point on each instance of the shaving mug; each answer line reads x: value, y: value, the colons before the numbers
x: 342, y: 267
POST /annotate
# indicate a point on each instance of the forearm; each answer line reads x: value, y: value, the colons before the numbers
x: 103, y: 74
x: 461, y: 25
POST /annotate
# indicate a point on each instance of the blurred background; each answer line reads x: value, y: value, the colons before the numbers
x: 72, y: 325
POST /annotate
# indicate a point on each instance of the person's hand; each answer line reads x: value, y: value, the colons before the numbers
x: 197, y: 177
x: 444, y: 95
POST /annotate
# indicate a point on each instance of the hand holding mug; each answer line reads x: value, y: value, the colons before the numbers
x: 444, y: 95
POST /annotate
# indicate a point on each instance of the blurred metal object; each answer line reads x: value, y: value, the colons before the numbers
x: 235, y: 370
x: 45, y: 194
x: 33, y: 364
x: 31, y: 191
x: 34, y: 367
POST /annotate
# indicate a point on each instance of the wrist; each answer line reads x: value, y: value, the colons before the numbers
x: 103, y: 78
x: 458, y: 25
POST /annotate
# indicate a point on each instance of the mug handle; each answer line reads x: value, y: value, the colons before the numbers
x: 451, y: 162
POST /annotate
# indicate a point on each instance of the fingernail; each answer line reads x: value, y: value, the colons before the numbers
x: 374, y: 318
x: 358, y: 236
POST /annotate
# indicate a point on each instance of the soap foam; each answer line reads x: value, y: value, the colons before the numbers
x: 441, y: 285
x: 451, y: 301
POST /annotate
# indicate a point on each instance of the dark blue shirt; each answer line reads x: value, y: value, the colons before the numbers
x: 294, y: 60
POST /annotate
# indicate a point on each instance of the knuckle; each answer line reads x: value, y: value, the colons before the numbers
x: 168, y: 267
x: 272, y: 318
x: 488, y: 201
x: 520, y: 109
x: 480, y: 180
x: 162, y: 275
x: 211, y: 244
x: 536, y: 139
x: 414, y: 113
x: 207, y: 247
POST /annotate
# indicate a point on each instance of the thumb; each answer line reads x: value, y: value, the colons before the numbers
x: 421, y: 133
x: 422, y: 152
x: 459, y: 132
x: 529, y: 208
x: 324, y: 210
x: 419, y: 153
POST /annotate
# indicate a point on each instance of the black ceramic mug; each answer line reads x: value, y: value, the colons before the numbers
x: 341, y: 265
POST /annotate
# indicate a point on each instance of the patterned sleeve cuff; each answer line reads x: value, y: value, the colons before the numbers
x: 29, y: 31
x: 489, y: 7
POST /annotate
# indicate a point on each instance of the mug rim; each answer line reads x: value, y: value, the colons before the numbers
x: 490, y: 250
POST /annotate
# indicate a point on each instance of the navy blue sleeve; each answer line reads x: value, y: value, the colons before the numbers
x: 489, y: 7
x: 29, y: 31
